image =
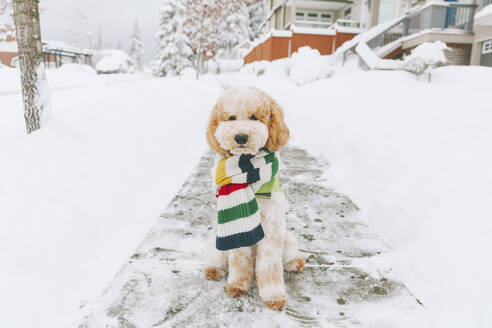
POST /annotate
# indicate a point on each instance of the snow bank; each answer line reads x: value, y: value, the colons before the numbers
x: 414, y: 157
x: 224, y: 65
x: 78, y: 196
x: 113, y: 61
x: 304, y: 66
x: 307, y: 65
x: 426, y: 56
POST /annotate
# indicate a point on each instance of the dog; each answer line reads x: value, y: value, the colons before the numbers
x: 243, y: 121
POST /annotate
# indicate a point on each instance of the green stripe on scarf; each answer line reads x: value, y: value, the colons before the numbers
x: 238, y: 212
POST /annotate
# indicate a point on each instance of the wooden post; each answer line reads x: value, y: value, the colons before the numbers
x: 28, y: 35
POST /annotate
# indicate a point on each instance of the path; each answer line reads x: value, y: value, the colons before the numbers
x: 162, y: 285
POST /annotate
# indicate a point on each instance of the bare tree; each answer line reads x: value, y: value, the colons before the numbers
x: 7, y: 29
x: 30, y: 48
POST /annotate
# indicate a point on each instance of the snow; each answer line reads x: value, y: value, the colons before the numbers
x: 78, y: 196
x: 113, y: 61
x: 413, y: 156
x: 487, y: 10
x: 373, y: 61
x: 426, y: 55
x: 313, y: 30
x: 307, y: 65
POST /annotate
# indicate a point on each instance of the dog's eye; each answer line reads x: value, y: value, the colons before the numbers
x: 253, y: 117
x: 232, y: 118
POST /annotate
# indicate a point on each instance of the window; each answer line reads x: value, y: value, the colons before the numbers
x: 312, y: 16
x: 347, y: 12
x: 300, y: 14
x: 487, y: 47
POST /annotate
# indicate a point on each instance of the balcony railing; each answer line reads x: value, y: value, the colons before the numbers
x: 484, y: 3
x: 449, y: 16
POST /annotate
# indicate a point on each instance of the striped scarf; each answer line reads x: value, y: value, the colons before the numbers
x: 238, y: 177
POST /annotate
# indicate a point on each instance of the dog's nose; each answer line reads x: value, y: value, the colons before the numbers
x: 241, y: 138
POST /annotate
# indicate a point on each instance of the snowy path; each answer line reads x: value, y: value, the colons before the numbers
x: 162, y: 285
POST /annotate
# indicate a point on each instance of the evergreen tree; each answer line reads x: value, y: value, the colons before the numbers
x: 136, y: 47
x: 234, y: 26
x: 257, y: 14
x: 174, y: 53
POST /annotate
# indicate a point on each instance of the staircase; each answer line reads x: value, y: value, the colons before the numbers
x: 373, y: 45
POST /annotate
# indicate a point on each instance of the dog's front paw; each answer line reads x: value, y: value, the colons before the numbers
x: 276, y: 303
x: 235, y: 291
x: 213, y: 273
x: 296, y: 264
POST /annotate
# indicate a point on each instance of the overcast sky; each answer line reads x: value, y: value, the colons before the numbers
x: 114, y: 17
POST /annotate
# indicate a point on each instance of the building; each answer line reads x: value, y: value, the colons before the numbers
x: 55, y: 54
x: 319, y: 24
x: 464, y: 26
x: 481, y: 53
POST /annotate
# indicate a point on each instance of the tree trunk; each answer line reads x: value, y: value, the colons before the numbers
x: 28, y: 35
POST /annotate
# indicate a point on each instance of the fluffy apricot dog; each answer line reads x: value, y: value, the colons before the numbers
x: 248, y: 121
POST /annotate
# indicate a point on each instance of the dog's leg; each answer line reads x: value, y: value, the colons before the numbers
x: 215, y: 260
x: 293, y: 261
x: 241, y: 268
x: 269, y: 254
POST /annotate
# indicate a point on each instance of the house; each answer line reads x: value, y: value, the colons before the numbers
x: 320, y: 24
x: 467, y: 35
x: 55, y: 54
x: 481, y: 53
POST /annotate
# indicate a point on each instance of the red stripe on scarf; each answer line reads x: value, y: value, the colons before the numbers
x: 230, y: 188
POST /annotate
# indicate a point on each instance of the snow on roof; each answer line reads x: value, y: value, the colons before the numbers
x: 282, y: 33
x: 8, y: 46
x: 63, y: 46
x: 312, y: 30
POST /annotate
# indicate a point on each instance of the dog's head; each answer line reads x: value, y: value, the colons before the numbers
x: 244, y: 120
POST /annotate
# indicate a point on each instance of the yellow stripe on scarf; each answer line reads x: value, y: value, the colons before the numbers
x: 221, y: 177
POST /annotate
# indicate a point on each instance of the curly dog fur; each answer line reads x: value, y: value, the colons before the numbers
x: 253, y: 112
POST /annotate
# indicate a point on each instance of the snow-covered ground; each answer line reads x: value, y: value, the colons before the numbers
x: 78, y: 196
x: 414, y: 156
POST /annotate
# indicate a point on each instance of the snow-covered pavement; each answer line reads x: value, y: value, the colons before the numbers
x: 163, y: 285
x: 77, y: 197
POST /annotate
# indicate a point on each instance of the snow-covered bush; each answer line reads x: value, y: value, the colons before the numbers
x: 224, y: 65
x: 113, y: 61
x: 307, y: 65
x: 426, y: 56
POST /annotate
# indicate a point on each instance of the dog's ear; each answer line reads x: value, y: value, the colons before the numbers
x: 213, y: 123
x: 278, y: 133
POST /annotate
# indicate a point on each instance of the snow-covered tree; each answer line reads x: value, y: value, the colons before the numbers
x: 99, y: 40
x: 174, y: 53
x: 7, y: 28
x: 35, y: 91
x: 79, y: 29
x: 256, y: 9
x: 136, y: 47
x: 203, y: 18
x: 234, y: 26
